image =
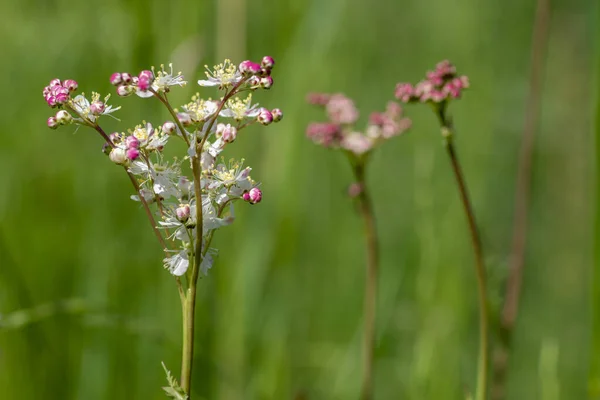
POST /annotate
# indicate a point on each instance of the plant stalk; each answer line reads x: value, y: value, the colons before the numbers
x: 483, y: 362
x: 370, y: 297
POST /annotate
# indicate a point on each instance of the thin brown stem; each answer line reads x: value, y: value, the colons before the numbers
x: 522, y: 191
x: 483, y: 363
x: 146, y: 209
x: 370, y: 296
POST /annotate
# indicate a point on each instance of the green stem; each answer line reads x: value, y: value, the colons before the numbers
x: 482, y: 368
x: 370, y: 296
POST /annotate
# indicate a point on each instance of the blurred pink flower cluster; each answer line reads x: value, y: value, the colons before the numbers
x: 439, y: 85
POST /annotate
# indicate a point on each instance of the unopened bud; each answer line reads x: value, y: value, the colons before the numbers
x: 127, y: 78
x: 169, y: 127
x: 70, y: 84
x: 97, y: 107
x: 118, y: 156
x: 132, y: 153
x: 183, y: 212
x: 116, y: 79
x: 132, y: 142
x: 52, y: 123
x: 267, y: 62
x: 63, y: 117
x: 125, y: 90
x: 277, y: 114
x: 266, y: 82
x: 253, y: 196
x: 264, y: 116
x: 249, y: 68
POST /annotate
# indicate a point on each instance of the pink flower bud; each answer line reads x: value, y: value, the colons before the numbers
x: 147, y: 74
x: 55, y: 82
x: 63, y: 117
x: 131, y: 142
x: 51, y: 100
x: 341, y: 110
x: 254, y: 81
x: 169, y: 127
x: 264, y: 116
x: 277, y: 114
x: 118, y: 156
x: 318, y: 99
x: 325, y: 134
x: 183, y: 212
x: 355, y: 189
x: 132, y: 153
x: 144, y: 83
x: 97, y: 107
x: 127, y: 78
x: 437, y: 96
x: 52, y: 123
x: 61, y: 98
x: 404, y: 92
x: 253, y: 196
x: 46, y: 92
x: 70, y: 85
x: 266, y: 82
x: 267, y: 62
x: 185, y: 119
x: 229, y: 133
x: 248, y: 68
x: 116, y: 79
x: 125, y: 90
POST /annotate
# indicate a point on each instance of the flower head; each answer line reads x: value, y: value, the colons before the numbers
x: 222, y: 75
x: 439, y: 85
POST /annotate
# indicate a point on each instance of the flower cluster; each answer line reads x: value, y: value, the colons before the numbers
x: 78, y: 109
x: 188, y: 209
x: 439, y: 85
x: 147, y: 82
x: 339, y: 131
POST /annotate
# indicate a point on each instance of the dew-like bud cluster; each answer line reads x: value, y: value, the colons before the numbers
x: 439, y: 85
x: 204, y: 125
x: 340, y: 130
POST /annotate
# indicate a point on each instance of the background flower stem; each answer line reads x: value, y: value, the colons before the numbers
x: 370, y: 296
x: 482, y: 368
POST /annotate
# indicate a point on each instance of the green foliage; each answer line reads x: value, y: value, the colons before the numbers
x: 280, y: 313
x: 173, y: 391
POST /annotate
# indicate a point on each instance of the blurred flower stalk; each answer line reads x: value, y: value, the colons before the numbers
x: 340, y: 133
x: 184, y: 211
x: 438, y: 89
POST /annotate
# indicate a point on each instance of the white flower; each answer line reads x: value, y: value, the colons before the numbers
x: 357, y: 143
x: 162, y: 81
x: 222, y: 75
x: 200, y: 110
x: 150, y: 138
x: 178, y: 263
x: 82, y: 106
x: 210, y: 218
x: 165, y: 178
x: 208, y: 260
x: 234, y: 176
x: 147, y: 194
x: 240, y: 109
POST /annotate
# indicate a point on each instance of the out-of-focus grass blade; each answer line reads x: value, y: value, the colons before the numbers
x: 594, y: 376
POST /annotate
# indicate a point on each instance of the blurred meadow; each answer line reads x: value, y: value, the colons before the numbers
x: 88, y: 312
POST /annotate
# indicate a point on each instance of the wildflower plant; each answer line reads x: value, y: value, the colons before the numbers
x: 340, y: 133
x: 439, y: 88
x: 184, y: 211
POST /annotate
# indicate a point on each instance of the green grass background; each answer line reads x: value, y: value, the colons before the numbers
x: 87, y: 312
